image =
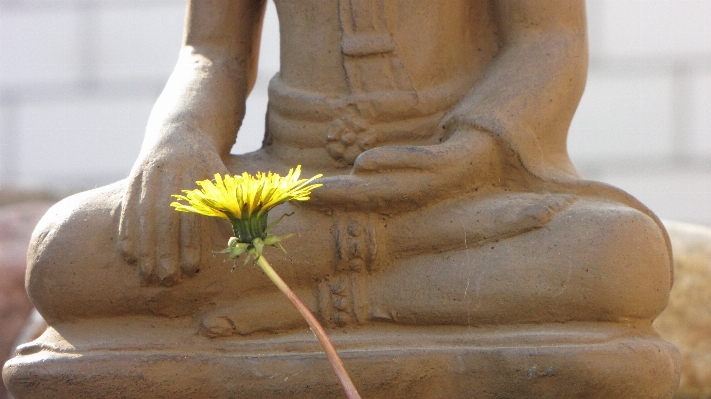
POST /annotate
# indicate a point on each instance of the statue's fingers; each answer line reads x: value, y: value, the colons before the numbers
x: 167, y: 231
x: 421, y: 158
x: 338, y: 190
x: 128, y: 228
x: 376, y: 192
x: 396, y: 158
x: 147, y: 225
x: 191, y: 237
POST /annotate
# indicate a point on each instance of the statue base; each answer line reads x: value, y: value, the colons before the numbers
x: 107, y: 359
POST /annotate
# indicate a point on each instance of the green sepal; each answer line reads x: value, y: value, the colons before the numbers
x: 235, y: 248
x: 251, y: 254
x: 274, y: 223
x: 249, y: 227
x: 258, y: 246
x: 278, y: 245
x: 273, y: 240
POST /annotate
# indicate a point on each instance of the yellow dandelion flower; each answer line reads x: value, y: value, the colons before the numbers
x: 245, y: 200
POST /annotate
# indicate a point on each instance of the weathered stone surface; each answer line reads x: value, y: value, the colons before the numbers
x: 16, y: 224
x: 687, y: 320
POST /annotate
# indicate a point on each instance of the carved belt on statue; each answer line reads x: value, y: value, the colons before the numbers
x: 346, y: 125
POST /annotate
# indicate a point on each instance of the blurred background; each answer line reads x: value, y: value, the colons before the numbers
x: 78, y: 79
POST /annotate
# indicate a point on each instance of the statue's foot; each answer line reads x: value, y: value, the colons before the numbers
x: 270, y: 312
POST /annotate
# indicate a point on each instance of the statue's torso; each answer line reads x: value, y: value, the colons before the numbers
x: 368, y: 47
x: 386, y: 72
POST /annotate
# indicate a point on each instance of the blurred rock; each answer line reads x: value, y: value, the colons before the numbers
x: 687, y: 320
x: 16, y: 224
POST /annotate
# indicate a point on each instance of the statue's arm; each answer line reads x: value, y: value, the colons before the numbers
x: 216, y: 69
x: 189, y: 135
x: 530, y: 92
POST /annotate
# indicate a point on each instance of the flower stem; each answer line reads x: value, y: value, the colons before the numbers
x: 343, y: 378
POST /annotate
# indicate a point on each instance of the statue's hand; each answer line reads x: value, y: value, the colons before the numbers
x: 408, y: 177
x: 163, y: 242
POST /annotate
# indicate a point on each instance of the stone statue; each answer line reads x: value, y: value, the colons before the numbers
x: 454, y: 250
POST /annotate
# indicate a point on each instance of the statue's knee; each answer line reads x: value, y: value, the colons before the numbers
x: 631, y: 261
x: 62, y: 257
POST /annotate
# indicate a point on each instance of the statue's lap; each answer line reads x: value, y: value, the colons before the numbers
x: 504, y: 259
x: 525, y: 285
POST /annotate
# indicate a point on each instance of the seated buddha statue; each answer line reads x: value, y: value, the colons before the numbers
x: 453, y: 249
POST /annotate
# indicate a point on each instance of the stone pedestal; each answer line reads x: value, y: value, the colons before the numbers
x: 147, y: 359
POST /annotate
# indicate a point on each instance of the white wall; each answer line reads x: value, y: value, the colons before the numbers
x: 78, y: 79
x: 644, y: 120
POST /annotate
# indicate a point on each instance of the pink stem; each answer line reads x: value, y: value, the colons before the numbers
x: 343, y: 378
